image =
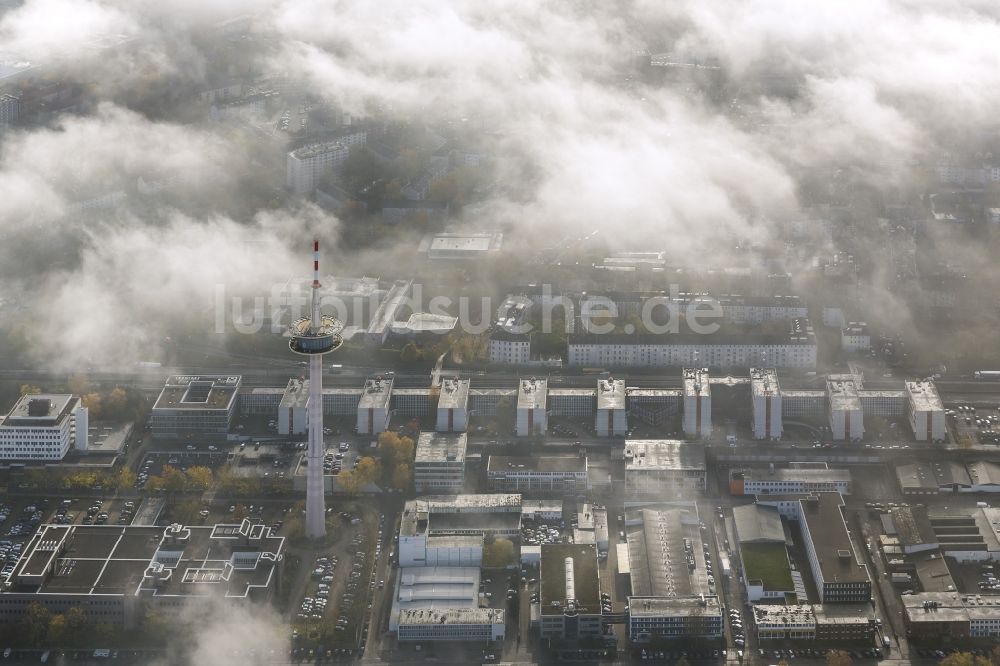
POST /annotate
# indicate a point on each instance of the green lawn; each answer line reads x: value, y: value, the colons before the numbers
x: 768, y: 563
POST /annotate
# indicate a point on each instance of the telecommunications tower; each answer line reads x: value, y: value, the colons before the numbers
x: 313, y: 337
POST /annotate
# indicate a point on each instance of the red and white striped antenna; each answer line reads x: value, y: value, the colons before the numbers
x: 316, y: 321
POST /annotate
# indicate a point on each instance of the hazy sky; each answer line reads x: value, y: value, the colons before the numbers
x: 871, y: 86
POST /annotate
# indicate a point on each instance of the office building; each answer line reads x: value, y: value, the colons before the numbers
x: 697, y: 418
x: 10, y: 110
x: 537, y: 474
x: 195, y: 407
x: 855, y: 337
x: 44, y: 427
x: 610, y: 419
x: 846, y: 414
x: 796, y: 478
x: 439, y: 462
x: 838, y: 572
x: 429, y: 519
x: 116, y: 574
x: 532, y: 399
x: 569, y: 592
x: 664, y: 468
x: 453, y: 405
x: 373, y: 408
x: 925, y: 411
x: 655, y: 619
x: 935, y: 616
x: 766, y: 413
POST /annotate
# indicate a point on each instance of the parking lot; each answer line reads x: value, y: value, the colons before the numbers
x: 974, y: 424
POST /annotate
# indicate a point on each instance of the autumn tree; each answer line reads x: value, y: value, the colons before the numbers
x: 122, y: 479
x: 199, y: 477
x: 964, y: 659
x: 56, y: 632
x: 186, y: 512
x: 402, y: 476
x: 28, y: 389
x: 34, y: 624
x: 498, y: 553
x: 368, y: 470
x: 838, y: 658
x: 93, y: 402
x: 78, y: 384
x: 349, y: 482
x: 117, y: 401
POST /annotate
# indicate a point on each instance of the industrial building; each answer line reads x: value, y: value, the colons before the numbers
x: 654, y: 619
x: 932, y: 616
x: 430, y: 524
x: 931, y: 478
x: 195, y: 406
x: 670, y: 593
x: 846, y: 414
x: 537, y: 474
x: 458, y: 246
x: 839, y: 574
x: 44, y: 427
x: 439, y: 462
x: 764, y: 565
x: 569, y: 592
x: 437, y: 603
x: 453, y: 405
x: 697, y: 418
x: 925, y: 411
x: 664, y: 468
x: 766, y: 414
x: 796, y: 478
x: 373, y: 408
x: 532, y: 399
x: 115, y: 574
x: 610, y: 420
x: 854, y: 623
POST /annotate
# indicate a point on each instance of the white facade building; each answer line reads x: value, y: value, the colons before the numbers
x: 453, y: 405
x: 373, y: 408
x: 610, y: 420
x: 532, y: 399
x: 925, y: 411
x: 510, y: 348
x: 855, y: 337
x: 797, y: 349
x: 697, y: 418
x: 766, y: 395
x: 846, y: 415
x: 308, y: 164
x: 44, y: 427
x: 439, y: 462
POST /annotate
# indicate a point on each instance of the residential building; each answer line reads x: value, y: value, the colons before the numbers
x: 307, y: 165
x: 510, y: 348
x: 794, y: 349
